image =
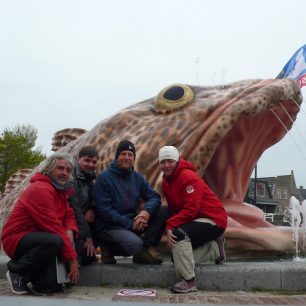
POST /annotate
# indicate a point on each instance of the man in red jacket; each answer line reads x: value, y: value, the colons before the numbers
x: 42, y: 227
x: 197, y: 216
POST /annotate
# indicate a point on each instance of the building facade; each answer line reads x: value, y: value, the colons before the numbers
x: 272, y: 194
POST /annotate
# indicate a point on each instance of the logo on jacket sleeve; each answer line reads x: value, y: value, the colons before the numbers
x: 189, y: 189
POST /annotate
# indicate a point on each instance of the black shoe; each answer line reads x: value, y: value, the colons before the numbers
x: 106, y: 257
x: 145, y: 257
x: 38, y: 293
x: 17, y: 283
x: 46, y: 291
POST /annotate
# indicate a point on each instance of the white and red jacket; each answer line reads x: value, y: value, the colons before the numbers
x: 189, y: 198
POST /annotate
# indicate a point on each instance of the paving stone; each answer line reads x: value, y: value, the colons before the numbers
x: 231, y: 283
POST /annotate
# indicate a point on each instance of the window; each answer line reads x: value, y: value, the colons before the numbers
x: 279, y: 193
x: 251, y: 190
x: 261, y: 189
x: 285, y: 192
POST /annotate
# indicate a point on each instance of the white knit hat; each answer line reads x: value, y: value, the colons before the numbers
x: 168, y: 152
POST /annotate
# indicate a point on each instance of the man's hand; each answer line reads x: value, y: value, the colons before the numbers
x: 140, y: 222
x: 74, y: 273
x: 70, y: 235
x: 90, y: 248
x: 171, y: 238
x: 89, y: 216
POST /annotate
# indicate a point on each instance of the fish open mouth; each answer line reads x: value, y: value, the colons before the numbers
x: 241, y: 131
x: 229, y: 127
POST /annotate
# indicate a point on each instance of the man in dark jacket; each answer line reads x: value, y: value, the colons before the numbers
x: 123, y: 228
x: 83, y: 204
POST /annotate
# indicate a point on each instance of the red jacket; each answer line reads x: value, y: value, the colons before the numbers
x: 42, y: 208
x: 190, y: 198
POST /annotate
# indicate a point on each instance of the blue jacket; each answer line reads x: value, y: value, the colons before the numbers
x: 118, y: 194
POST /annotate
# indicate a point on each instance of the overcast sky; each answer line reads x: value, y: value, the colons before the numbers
x: 72, y: 63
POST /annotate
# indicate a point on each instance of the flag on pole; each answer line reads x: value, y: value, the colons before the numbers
x: 296, y: 67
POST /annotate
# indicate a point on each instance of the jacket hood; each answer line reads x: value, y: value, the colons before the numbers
x: 182, y: 164
x: 39, y: 177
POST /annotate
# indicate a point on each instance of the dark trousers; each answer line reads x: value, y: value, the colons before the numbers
x: 83, y: 258
x: 199, y: 233
x: 79, y: 245
x: 123, y: 242
x: 35, y: 257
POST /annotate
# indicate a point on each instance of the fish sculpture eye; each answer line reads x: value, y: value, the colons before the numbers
x: 173, y: 97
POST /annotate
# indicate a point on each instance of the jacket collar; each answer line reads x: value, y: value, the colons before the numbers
x: 119, y: 171
x: 83, y: 174
x: 181, y: 165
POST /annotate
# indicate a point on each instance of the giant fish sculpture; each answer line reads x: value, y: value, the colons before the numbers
x: 223, y: 130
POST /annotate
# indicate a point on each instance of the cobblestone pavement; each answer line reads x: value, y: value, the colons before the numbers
x: 164, y: 296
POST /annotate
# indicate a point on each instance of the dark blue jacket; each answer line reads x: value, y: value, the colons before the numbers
x: 118, y: 194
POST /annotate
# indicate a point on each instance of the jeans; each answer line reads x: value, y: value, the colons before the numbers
x: 124, y: 242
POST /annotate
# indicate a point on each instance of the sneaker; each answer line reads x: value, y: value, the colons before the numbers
x: 106, y: 257
x: 37, y: 292
x: 221, y: 246
x: 145, y: 257
x: 17, y: 283
x: 36, y: 289
x: 184, y: 286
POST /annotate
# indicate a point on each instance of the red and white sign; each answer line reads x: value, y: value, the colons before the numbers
x: 137, y: 292
x: 189, y: 189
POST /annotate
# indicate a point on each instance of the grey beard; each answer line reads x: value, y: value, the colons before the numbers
x: 65, y: 187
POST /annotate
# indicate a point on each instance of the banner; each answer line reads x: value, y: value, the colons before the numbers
x: 296, y: 67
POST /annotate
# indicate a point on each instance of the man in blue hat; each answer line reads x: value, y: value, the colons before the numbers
x: 123, y: 226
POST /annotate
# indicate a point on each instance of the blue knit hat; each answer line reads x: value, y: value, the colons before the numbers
x: 125, y: 145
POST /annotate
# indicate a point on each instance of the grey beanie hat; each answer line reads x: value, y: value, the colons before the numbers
x: 168, y: 152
